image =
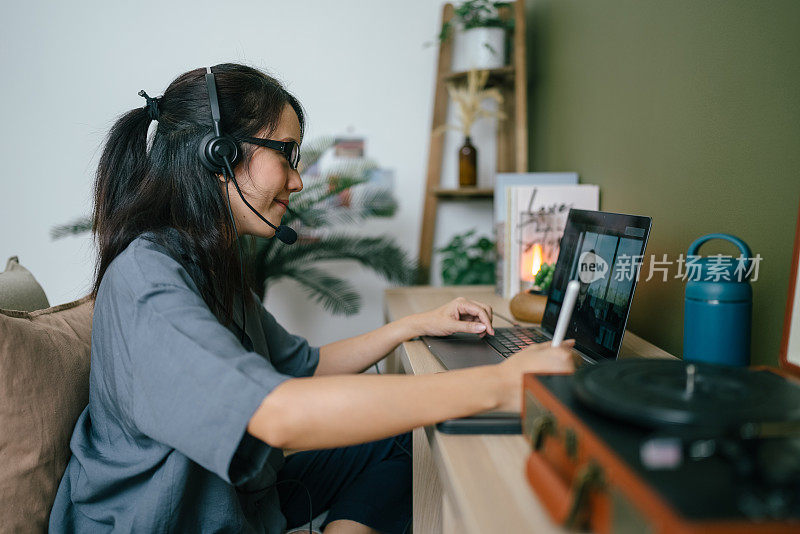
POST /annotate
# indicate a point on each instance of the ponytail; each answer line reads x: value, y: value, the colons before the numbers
x: 123, y: 166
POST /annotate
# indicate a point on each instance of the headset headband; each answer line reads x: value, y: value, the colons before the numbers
x: 212, y: 98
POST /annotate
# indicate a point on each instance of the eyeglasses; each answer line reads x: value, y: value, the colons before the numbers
x: 289, y: 149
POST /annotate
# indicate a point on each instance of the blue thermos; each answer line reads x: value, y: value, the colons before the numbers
x: 718, y: 305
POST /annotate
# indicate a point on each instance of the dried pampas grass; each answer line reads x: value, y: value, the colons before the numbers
x: 469, y: 99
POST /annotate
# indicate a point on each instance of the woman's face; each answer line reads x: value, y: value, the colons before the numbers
x: 266, y: 181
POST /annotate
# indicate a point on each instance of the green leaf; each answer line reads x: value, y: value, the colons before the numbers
x: 485, y: 244
x: 334, y: 294
x: 78, y: 226
x: 312, y: 150
x: 445, y: 32
x: 468, y: 260
x: 379, y: 254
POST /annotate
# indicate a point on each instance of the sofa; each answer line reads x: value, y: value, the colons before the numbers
x: 44, y: 386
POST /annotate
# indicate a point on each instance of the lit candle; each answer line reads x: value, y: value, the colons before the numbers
x: 531, y: 263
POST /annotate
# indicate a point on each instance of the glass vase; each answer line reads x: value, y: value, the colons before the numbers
x: 467, y: 164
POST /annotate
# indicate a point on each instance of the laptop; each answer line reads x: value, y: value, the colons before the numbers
x: 603, y: 251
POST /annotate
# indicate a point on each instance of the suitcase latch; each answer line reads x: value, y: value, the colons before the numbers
x: 589, y: 478
x: 543, y: 425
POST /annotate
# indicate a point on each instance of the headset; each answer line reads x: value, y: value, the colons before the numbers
x: 219, y: 153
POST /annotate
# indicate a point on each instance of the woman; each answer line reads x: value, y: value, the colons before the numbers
x: 195, y: 391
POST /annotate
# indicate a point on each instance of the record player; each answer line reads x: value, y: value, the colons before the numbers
x: 667, y: 446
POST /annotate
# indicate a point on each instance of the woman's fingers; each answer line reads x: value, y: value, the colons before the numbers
x: 468, y: 307
x: 486, y: 308
x: 470, y: 326
x: 462, y: 315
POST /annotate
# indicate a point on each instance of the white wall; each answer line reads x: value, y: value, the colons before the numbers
x: 70, y: 68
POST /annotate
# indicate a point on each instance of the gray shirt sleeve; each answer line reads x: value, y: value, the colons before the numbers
x: 194, y: 387
x: 290, y: 354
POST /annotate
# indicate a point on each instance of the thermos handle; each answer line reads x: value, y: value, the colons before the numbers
x: 743, y: 248
x: 717, y: 310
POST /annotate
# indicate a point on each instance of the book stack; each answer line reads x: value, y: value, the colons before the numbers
x: 530, y: 211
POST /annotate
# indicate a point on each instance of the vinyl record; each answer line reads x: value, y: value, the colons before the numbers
x: 656, y: 393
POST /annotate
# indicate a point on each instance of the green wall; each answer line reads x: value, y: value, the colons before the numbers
x: 684, y: 110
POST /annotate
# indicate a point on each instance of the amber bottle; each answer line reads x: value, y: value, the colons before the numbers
x: 467, y: 164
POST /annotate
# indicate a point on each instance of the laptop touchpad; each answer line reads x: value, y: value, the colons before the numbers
x: 462, y: 350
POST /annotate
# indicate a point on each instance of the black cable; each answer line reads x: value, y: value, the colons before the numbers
x: 308, y: 493
x: 236, y: 237
x: 255, y: 211
x: 401, y: 447
x: 296, y: 481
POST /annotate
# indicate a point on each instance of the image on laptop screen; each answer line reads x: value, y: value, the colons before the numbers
x: 603, y: 251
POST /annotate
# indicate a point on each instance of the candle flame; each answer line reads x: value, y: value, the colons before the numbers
x: 531, y: 262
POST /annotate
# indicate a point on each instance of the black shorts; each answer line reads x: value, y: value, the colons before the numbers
x: 368, y: 483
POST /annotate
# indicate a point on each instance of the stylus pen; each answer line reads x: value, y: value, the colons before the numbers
x: 566, y: 312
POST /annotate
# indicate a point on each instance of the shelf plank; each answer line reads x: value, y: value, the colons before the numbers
x: 464, y: 192
x: 499, y: 76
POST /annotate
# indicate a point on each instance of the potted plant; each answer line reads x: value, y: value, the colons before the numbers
x: 479, y: 34
x: 468, y: 260
x: 316, y: 212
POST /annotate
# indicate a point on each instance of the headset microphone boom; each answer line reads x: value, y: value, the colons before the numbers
x: 219, y: 153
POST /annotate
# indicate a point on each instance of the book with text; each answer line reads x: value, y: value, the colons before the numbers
x: 535, y: 219
x: 502, y: 182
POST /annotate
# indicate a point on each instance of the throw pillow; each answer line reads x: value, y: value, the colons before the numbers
x: 44, y: 387
x: 19, y: 290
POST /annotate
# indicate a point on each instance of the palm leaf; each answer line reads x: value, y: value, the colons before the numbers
x: 349, y: 168
x: 312, y: 150
x: 365, y: 203
x: 379, y: 254
x: 310, y: 207
x: 78, y: 226
x: 371, y: 202
x: 320, y: 189
x: 334, y: 294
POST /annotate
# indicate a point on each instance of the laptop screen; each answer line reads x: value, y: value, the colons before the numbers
x: 603, y: 251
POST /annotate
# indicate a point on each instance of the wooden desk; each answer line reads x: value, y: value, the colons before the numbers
x: 476, y: 483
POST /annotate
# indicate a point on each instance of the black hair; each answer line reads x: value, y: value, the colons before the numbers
x: 166, y: 190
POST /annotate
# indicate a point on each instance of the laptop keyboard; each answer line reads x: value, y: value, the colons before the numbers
x: 507, y: 341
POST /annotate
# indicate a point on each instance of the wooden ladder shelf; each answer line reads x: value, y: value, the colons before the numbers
x: 512, y: 133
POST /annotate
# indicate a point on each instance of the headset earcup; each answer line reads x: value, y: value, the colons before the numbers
x: 213, y: 149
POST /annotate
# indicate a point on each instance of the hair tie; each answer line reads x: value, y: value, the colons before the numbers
x: 152, y: 105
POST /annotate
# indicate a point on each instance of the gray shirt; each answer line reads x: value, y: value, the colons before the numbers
x: 162, y: 445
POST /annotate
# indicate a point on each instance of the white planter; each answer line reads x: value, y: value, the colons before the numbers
x: 479, y: 48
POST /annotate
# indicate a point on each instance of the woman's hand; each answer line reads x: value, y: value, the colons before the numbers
x: 459, y: 315
x: 539, y: 358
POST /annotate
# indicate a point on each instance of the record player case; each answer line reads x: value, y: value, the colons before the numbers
x: 585, y: 467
